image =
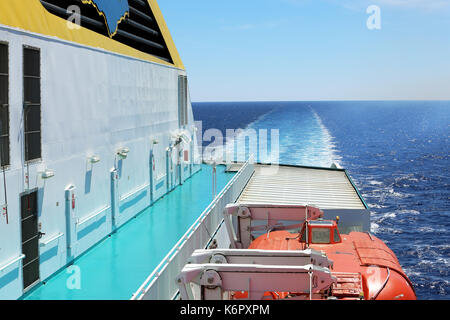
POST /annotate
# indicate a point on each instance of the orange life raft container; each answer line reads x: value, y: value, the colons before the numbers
x: 365, y: 268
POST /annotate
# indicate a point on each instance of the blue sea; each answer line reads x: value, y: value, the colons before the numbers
x: 396, y: 152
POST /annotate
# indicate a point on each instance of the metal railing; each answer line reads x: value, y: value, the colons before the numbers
x: 11, y: 262
x: 161, y: 284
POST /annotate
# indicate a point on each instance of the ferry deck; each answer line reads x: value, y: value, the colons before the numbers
x: 331, y: 189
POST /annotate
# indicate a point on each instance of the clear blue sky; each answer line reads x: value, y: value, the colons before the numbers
x: 241, y: 50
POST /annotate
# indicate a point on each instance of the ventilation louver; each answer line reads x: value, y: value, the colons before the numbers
x: 138, y: 30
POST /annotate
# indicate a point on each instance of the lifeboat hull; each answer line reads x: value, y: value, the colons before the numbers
x: 364, y: 266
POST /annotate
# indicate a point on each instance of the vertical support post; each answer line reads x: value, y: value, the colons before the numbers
x: 234, y: 241
x: 152, y: 168
x: 191, y: 155
x: 310, y: 273
x: 307, y: 227
x: 168, y: 178
x: 244, y: 229
x: 115, y: 211
x: 180, y: 164
x: 71, y: 228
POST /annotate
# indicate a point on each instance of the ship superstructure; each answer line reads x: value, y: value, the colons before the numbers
x: 96, y: 125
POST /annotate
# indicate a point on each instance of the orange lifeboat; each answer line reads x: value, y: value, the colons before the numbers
x: 268, y: 260
x: 365, y: 268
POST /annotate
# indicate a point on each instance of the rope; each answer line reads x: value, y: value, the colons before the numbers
x: 207, y: 231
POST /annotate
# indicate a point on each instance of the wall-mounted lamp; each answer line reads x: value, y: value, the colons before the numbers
x: 47, y: 174
x: 94, y: 159
x: 123, y: 153
x: 155, y: 141
x: 185, y: 138
x: 180, y: 137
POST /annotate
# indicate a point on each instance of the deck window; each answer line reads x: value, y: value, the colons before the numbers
x: 32, y: 102
x: 4, y: 105
x: 320, y: 235
x: 182, y: 101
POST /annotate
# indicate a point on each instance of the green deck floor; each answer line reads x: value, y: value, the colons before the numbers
x: 116, y: 267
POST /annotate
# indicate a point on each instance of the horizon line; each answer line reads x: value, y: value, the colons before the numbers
x: 327, y: 100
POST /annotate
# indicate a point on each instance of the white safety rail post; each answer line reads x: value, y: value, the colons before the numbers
x: 218, y: 281
x: 71, y: 220
x: 115, y: 210
x: 161, y: 284
x: 276, y: 217
x: 152, y: 176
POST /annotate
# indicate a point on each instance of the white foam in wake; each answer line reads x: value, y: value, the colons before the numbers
x: 328, y: 141
x: 310, y: 145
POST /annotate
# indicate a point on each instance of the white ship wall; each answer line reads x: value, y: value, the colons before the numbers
x: 93, y: 103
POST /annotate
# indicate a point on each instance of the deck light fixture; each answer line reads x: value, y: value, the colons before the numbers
x: 47, y: 174
x: 94, y: 159
x: 123, y: 153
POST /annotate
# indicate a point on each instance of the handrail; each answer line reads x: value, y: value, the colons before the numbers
x: 82, y: 221
x: 51, y: 239
x: 177, y: 247
x: 383, y: 286
x: 133, y: 192
x: 12, y: 262
x: 356, y: 189
x: 160, y: 177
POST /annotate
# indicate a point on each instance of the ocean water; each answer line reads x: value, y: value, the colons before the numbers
x: 397, y: 153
